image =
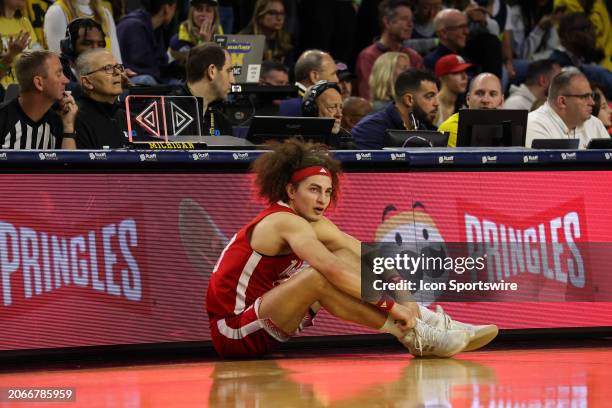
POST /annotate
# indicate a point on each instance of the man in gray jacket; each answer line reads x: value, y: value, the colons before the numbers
x: 539, y: 76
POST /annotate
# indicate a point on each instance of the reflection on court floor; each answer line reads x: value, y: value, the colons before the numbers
x: 567, y: 377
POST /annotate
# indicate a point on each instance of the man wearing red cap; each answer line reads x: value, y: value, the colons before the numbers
x: 450, y: 71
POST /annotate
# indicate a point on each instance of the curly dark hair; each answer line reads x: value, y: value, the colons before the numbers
x: 273, y: 170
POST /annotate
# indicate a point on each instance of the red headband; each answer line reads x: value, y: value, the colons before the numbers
x: 301, y: 174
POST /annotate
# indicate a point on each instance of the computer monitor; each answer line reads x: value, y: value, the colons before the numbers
x: 492, y: 127
x: 264, y: 128
x: 555, y: 144
x: 415, y: 138
x: 603, y: 143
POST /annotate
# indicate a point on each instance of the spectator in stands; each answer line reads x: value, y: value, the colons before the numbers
x: 396, y: 23
x: 567, y: 113
x: 345, y: 79
x: 323, y: 100
x: 100, y: 122
x: 385, y: 71
x: 63, y: 12
x: 478, y: 46
x: 451, y: 72
x: 601, y: 108
x: 34, y: 11
x: 201, y: 26
x: 354, y: 108
x: 311, y: 67
x: 141, y: 35
x: 539, y: 75
x: 415, y: 108
x: 485, y: 93
x: 17, y: 35
x: 599, y: 15
x: 210, y: 77
x: 27, y: 122
x: 274, y: 73
x: 423, y: 37
x: 452, y: 28
x: 269, y: 20
x: 578, y: 48
x: 533, y: 27
x: 82, y: 34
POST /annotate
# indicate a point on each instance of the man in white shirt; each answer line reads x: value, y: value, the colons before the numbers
x: 567, y: 111
x: 539, y: 75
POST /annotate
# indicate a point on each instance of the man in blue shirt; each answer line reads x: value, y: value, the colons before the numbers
x: 414, y: 108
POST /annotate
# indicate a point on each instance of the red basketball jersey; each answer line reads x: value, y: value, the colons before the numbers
x: 242, y: 275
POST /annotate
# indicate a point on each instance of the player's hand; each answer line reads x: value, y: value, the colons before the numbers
x: 68, y: 111
x: 405, y: 316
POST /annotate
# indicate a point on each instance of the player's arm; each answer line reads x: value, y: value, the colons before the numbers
x: 334, y: 238
x: 302, y: 238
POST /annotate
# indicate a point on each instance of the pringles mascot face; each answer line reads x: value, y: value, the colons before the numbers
x: 415, y: 234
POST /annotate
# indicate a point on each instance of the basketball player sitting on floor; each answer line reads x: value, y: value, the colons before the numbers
x: 260, y: 295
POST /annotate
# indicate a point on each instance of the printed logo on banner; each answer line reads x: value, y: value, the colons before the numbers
x: 363, y: 156
x: 545, y: 245
x: 3, y: 156
x: 398, y: 156
x: 97, y: 156
x: 414, y: 232
x: 47, y: 156
x: 200, y: 156
x: 608, y: 156
x: 446, y: 159
x: 240, y: 156
x: 568, y: 156
x: 489, y: 159
x: 532, y: 158
x: 148, y: 157
x: 44, y: 262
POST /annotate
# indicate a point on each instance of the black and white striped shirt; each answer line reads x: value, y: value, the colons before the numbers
x: 19, y: 132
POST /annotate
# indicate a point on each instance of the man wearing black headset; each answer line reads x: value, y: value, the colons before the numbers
x: 82, y: 34
x: 324, y: 100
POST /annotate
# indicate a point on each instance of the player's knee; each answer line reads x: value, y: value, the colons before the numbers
x: 315, y: 280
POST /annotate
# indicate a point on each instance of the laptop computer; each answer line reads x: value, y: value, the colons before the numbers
x: 415, y: 138
x: 247, y: 54
x: 560, y: 144
x: 605, y: 143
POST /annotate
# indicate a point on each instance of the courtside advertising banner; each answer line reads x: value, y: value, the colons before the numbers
x: 103, y: 259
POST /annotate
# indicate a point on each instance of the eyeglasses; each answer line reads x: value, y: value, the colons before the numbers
x: 584, y: 97
x: 109, y: 69
x: 275, y: 13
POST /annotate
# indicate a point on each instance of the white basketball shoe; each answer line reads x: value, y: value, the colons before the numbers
x: 425, y: 340
x: 480, y: 335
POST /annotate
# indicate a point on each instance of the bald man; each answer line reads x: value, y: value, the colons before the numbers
x: 100, y: 123
x: 353, y: 109
x: 485, y: 92
x: 311, y: 67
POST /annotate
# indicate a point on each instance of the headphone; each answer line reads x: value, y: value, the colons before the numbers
x: 309, y: 104
x: 68, y: 44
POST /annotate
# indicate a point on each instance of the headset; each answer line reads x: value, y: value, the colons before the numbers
x: 68, y: 44
x: 309, y: 104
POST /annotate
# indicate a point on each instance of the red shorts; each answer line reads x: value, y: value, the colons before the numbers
x: 246, y: 335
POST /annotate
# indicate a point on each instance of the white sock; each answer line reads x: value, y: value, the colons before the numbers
x: 392, y: 328
x: 427, y: 315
